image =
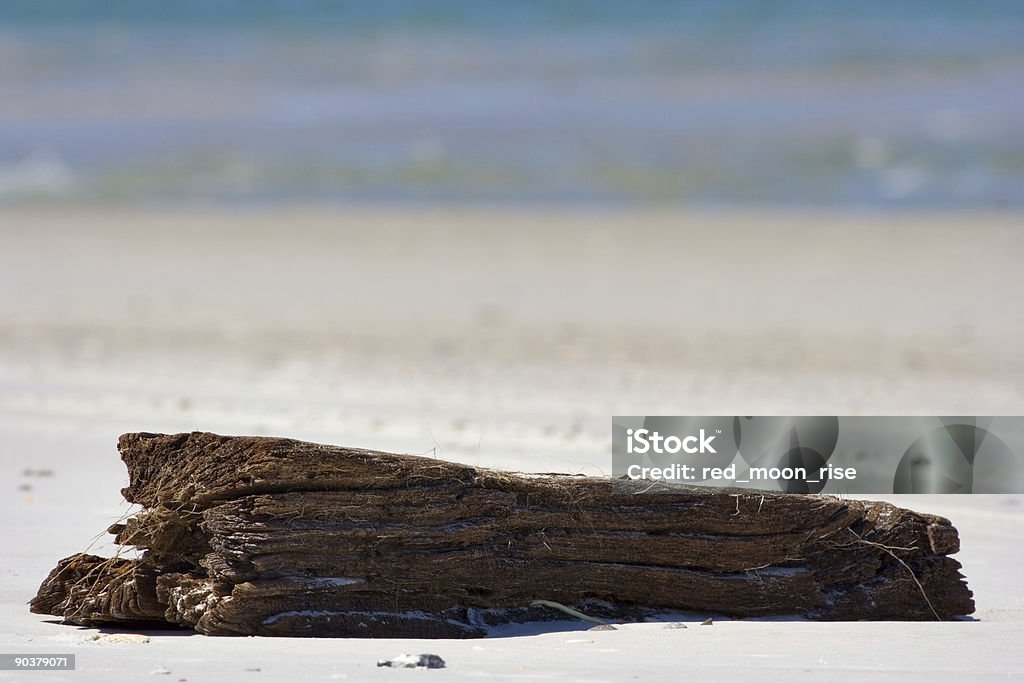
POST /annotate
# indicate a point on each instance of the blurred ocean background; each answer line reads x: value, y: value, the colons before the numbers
x: 692, y: 103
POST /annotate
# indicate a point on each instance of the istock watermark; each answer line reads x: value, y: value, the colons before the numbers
x: 821, y: 454
x: 643, y: 440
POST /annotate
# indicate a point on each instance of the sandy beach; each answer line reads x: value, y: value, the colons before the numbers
x: 503, y: 338
x: 476, y: 232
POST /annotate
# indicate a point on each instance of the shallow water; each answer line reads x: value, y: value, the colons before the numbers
x: 694, y: 103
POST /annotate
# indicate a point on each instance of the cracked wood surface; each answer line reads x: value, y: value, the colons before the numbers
x: 270, y: 536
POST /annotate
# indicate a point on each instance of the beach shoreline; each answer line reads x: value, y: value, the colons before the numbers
x: 500, y: 338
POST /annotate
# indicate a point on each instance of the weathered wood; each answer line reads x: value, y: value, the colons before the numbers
x: 264, y: 536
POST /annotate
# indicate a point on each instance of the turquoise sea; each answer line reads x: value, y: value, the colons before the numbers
x: 687, y: 103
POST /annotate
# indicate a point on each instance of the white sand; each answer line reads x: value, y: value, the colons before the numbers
x: 502, y: 339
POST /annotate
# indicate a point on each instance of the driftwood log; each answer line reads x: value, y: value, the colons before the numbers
x: 276, y: 537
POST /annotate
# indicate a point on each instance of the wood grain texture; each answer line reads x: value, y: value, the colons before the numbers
x: 268, y: 536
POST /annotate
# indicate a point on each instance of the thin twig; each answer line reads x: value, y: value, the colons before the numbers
x: 889, y: 549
